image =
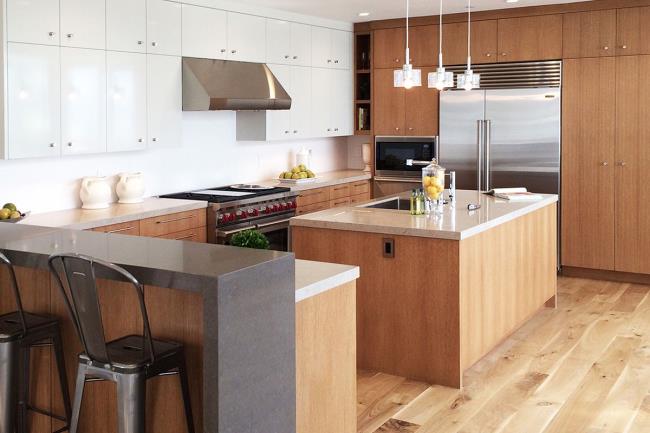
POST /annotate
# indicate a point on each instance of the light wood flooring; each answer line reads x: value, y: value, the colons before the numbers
x: 582, y: 368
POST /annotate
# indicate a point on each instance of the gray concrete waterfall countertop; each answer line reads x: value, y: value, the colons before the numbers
x: 314, y: 278
x: 455, y: 223
x: 329, y: 178
x: 83, y: 219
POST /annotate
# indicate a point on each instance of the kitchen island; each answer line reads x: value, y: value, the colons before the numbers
x: 437, y: 293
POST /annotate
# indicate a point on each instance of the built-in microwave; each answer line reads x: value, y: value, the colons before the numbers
x: 403, y: 157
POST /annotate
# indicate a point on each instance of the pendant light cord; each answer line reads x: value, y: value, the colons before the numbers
x: 407, y: 29
x: 440, y: 38
x: 469, y: 34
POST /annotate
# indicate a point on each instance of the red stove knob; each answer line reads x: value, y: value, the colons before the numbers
x: 294, y: 205
x: 276, y: 207
x: 240, y: 215
x: 253, y: 212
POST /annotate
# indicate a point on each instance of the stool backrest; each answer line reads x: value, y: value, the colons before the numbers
x: 77, y: 279
x: 13, y: 281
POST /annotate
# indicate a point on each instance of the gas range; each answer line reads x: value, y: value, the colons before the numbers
x: 237, y: 208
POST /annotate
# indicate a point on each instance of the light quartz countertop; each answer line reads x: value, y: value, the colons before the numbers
x: 455, y: 223
x: 314, y: 278
x: 330, y: 178
x: 84, y: 219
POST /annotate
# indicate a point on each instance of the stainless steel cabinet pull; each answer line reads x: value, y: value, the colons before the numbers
x: 295, y: 57
x: 329, y: 60
x: 604, y: 163
x: 480, y: 131
x: 154, y: 139
x: 621, y: 163
x: 624, y: 47
x: 287, y: 56
x: 70, y: 144
x: 69, y: 35
x: 295, y: 131
x: 51, y: 33
x: 488, y: 54
x: 488, y: 162
x: 140, y: 42
x: 154, y: 44
x: 125, y: 229
x: 185, y: 237
x: 223, y: 50
x: 140, y: 140
x: 605, y: 48
x: 52, y: 145
x: 175, y: 219
x: 233, y: 51
x: 274, y: 223
x: 504, y: 54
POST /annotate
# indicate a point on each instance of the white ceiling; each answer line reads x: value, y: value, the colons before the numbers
x: 348, y: 10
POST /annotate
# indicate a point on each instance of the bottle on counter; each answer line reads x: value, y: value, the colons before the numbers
x: 419, y: 202
x: 414, y: 200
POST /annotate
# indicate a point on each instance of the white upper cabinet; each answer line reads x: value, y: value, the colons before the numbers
x: 301, y: 102
x: 331, y: 104
x: 341, y: 106
x: 321, y: 120
x: 165, y: 104
x: 279, y: 121
x: 83, y: 23
x: 331, y: 48
x: 126, y: 25
x: 321, y: 44
x: 126, y: 108
x: 288, y: 43
x: 164, y: 27
x: 33, y: 21
x: 246, y: 38
x: 205, y: 32
x: 83, y: 101
x: 33, y: 101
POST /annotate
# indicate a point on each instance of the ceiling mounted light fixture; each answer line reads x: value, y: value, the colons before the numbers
x: 440, y: 79
x: 364, y: 14
x: 468, y: 80
x: 407, y: 77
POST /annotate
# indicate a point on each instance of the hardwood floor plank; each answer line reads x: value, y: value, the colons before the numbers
x: 432, y: 400
x: 630, y: 300
x: 397, y: 426
x: 641, y: 423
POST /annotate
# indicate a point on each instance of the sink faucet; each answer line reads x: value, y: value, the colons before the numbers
x: 452, y: 186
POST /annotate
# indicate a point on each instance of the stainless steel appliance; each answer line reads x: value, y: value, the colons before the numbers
x: 399, y: 162
x: 236, y: 208
x: 508, y: 133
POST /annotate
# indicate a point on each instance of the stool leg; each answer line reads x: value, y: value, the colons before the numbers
x: 78, y: 397
x: 131, y: 400
x: 9, y: 367
x: 185, y: 388
x: 23, y: 389
x: 63, y: 377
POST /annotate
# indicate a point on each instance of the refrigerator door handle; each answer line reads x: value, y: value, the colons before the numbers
x: 487, y: 140
x: 480, y: 133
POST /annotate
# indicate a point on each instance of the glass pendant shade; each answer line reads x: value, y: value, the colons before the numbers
x: 468, y: 80
x: 407, y: 77
x: 441, y: 79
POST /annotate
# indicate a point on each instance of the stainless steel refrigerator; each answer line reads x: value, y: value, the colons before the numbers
x: 502, y: 138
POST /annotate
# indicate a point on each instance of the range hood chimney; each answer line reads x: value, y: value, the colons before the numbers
x: 227, y: 85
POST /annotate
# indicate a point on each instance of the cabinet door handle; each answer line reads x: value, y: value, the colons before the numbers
x: 125, y: 229
x: 336, y: 61
x: 69, y: 35
x: 51, y: 33
x: 621, y: 163
x: 174, y: 220
x: 329, y: 60
x: 488, y: 54
x: 52, y: 145
x: 140, y: 140
x: 184, y: 237
x: 140, y: 42
x: 295, y: 57
x: 154, y: 139
x: 233, y: 51
x: 504, y: 54
x: 624, y: 47
x: 410, y: 129
x: 154, y: 44
x: 396, y: 129
x: 287, y: 56
x: 223, y: 50
x: 295, y: 131
x: 606, y: 48
x: 604, y: 163
x: 70, y: 144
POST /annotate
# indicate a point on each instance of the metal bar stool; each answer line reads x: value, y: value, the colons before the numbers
x: 21, y: 331
x: 128, y: 361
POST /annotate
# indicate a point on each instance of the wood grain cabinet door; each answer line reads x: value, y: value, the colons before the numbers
x: 588, y: 166
x: 530, y: 38
x: 633, y: 29
x: 484, y: 42
x: 389, y: 104
x: 423, y: 45
x: 589, y: 34
x: 422, y: 108
x: 633, y: 164
x: 389, y: 45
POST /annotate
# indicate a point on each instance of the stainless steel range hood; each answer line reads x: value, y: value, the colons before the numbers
x: 227, y: 85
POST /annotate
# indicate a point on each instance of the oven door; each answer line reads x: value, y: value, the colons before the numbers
x: 403, y: 157
x: 277, y: 232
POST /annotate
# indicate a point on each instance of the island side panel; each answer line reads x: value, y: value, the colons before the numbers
x: 407, y: 306
x: 326, y: 362
x: 507, y: 274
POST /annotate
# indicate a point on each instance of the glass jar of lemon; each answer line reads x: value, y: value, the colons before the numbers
x: 433, y: 183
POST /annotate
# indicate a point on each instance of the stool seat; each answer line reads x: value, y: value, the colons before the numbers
x: 130, y: 353
x: 11, y: 328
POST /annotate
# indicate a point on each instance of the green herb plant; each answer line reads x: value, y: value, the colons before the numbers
x: 250, y: 239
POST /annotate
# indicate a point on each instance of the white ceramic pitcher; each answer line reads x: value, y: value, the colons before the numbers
x: 130, y: 188
x: 95, y: 193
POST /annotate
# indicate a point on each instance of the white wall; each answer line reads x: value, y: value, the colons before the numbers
x: 210, y: 157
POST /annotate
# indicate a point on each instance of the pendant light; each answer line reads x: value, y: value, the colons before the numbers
x: 440, y: 79
x: 407, y: 77
x: 469, y: 80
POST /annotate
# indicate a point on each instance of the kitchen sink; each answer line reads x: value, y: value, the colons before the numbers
x: 396, y: 203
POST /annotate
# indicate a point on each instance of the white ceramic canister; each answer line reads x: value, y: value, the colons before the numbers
x: 95, y: 193
x: 130, y: 188
x: 303, y: 157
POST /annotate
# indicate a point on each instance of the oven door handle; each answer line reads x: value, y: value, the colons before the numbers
x: 399, y: 179
x: 224, y: 233
x: 273, y: 223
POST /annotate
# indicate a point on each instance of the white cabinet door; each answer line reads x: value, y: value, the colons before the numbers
x: 33, y: 101
x: 341, y: 105
x: 205, y: 32
x: 164, y: 27
x: 126, y: 25
x: 83, y: 23
x: 321, y: 123
x: 341, y: 49
x: 165, y: 104
x: 321, y: 45
x: 83, y: 101
x: 300, y: 44
x: 278, y: 42
x: 126, y: 108
x: 246, y: 38
x: 278, y: 125
x: 301, y: 102
x: 33, y: 21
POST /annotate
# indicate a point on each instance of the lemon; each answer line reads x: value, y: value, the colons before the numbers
x: 426, y: 181
x: 5, y: 214
x: 15, y: 214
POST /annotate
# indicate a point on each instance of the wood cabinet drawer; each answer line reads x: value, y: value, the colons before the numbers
x: 359, y: 198
x: 173, y: 223
x: 198, y: 234
x: 361, y: 187
x: 313, y: 208
x: 131, y: 228
x: 312, y: 196
x: 345, y: 201
x: 339, y: 191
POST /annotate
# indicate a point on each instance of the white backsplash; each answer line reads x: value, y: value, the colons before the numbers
x: 210, y: 156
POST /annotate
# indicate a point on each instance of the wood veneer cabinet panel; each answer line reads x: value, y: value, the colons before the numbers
x: 131, y: 228
x: 423, y: 45
x: 199, y: 234
x: 389, y: 105
x: 172, y: 223
x: 339, y: 191
x: 589, y: 34
x: 530, y: 38
x: 312, y: 196
x: 633, y: 164
x: 588, y: 165
x: 388, y: 48
x: 633, y: 31
x: 326, y: 374
x: 422, y: 108
x: 484, y: 42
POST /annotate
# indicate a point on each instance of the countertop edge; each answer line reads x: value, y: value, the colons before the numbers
x: 347, y: 176
x: 337, y: 279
